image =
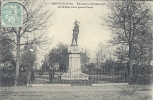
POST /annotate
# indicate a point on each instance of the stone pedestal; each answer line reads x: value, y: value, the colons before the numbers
x: 74, y: 69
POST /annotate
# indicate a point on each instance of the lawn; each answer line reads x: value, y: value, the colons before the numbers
x: 78, y: 93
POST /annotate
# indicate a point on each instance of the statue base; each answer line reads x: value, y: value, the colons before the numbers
x: 74, y: 76
x: 74, y: 70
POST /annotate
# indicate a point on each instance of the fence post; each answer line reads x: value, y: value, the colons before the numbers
x: 109, y: 74
x: 81, y: 77
x: 73, y: 77
x: 59, y: 78
x: 124, y: 76
x: 98, y: 76
x: 104, y: 73
x: 119, y: 77
x: 62, y: 80
x: 112, y: 75
x: 115, y: 75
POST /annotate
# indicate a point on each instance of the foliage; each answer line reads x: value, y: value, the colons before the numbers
x: 22, y: 79
x: 45, y: 67
x: 28, y: 58
x: 141, y: 74
x: 89, y: 68
x: 130, y: 22
x: 142, y: 69
x: 32, y: 76
x: 51, y: 75
x: 8, y: 73
x: 85, y: 59
x: 59, y: 55
x: 6, y: 48
x: 109, y: 65
x: 7, y: 62
x: 122, y: 53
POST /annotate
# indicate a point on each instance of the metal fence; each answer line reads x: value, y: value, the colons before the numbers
x: 94, y: 77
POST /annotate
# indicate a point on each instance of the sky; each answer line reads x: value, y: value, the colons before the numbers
x: 91, y: 32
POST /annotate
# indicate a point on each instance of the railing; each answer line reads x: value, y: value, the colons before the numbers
x: 94, y: 77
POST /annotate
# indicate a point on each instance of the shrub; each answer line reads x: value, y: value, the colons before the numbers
x: 22, y: 79
x: 32, y: 76
x: 7, y: 75
x: 109, y: 64
x: 7, y: 81
x: 141, y: 74
x: 140, y: 79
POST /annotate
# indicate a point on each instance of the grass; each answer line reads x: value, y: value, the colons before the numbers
x: 76, y: 93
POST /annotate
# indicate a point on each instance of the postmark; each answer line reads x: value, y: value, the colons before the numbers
x: 11, y: 14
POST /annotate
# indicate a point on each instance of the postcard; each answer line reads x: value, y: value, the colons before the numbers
x: 76, y: 50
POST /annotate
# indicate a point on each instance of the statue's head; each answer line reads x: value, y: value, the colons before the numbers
x: 76, y: 22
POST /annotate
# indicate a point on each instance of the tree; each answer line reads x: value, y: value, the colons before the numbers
x: 7, y: 62
x: 85, y: 59
x: 128, y: 20
x: 6, y: 49
x: 91, y: 67
x: 142, y: 48
x: 59, y: 55
x: 103, y: 53
x: 45, y: 67
x: 122, y: 53
x: 28, y: 58
x: 36, y: 20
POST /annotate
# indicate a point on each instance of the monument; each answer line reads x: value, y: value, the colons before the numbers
x: 74, y: 69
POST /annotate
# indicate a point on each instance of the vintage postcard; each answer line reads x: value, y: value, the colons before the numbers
x: 76, y: 50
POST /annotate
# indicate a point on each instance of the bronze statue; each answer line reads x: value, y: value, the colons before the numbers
x: 75, y: 33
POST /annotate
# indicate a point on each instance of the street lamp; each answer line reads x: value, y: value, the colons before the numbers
x: 31, y: 50
x: 151, y: 63
x: 29, y: 70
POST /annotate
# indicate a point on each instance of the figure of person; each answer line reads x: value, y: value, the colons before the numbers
x: 75, y: 32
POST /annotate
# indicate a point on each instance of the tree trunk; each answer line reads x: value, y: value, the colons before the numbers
x: 18, y: 56
x: 130, y: 61
x: 151, y: 49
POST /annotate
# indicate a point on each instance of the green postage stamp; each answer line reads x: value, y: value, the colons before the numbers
x: 11, y: 13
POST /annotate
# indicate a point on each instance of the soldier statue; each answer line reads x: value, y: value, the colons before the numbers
x: 75, y: 33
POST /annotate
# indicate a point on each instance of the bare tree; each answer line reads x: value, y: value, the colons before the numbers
x: 127, y: 20
x: 85, y: 57
x: 103, y: 53
x: 37, y: 18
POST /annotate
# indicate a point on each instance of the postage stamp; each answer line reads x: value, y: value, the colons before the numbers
x: 11, y: 14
